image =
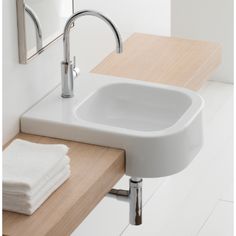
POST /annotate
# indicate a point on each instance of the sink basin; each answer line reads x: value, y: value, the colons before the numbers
x: 158, y: 126
x: 134, y: 108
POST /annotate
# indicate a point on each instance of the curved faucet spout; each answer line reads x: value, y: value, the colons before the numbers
x: 68, y: 69
x: 69, y: 23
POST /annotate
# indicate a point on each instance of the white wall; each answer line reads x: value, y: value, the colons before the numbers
x: 147, y: 16
x: 23, y: 85
x: 92, y: 40
x: 208, y: 20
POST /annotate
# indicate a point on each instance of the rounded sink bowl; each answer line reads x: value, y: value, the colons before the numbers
x: 158, y: 126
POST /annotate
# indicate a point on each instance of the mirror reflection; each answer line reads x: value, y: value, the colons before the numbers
x: 44, y: 23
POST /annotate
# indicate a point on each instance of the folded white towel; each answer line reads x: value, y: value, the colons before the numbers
x: 44, y: 190
x: 30, y: 209
x: 16, y: 200
x: 26, y: 164
x: 29, y: 194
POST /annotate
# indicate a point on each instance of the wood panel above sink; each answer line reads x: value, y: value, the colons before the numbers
x: 168, y: 60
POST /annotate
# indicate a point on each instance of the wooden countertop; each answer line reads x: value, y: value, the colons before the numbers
x: 95, y: 169
x: 167, y: 60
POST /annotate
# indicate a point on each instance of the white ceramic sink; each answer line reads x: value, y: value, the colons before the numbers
x: 158, y: 126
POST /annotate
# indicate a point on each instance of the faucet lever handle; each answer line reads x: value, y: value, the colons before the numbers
x: 74, y: 62
x: 76, y: 70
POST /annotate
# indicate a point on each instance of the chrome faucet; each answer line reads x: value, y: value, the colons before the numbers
x: 68, y: 68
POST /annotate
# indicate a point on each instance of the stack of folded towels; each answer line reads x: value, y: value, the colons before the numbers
x: 31, y: 173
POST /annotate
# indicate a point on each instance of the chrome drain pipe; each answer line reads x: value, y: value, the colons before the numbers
x: 135, y: 199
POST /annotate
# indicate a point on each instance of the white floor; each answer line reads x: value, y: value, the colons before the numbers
x: 196, y: 202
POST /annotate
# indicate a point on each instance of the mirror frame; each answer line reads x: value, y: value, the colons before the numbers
x: 21, y: 28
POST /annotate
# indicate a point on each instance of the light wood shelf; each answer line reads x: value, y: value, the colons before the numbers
x: 168, y: 60
x: 94, y: 172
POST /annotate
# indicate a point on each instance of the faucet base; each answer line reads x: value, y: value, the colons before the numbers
x: 67, y: 96
x: 67, y: 79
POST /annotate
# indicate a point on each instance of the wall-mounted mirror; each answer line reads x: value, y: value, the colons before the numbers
x: 40, y: 23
